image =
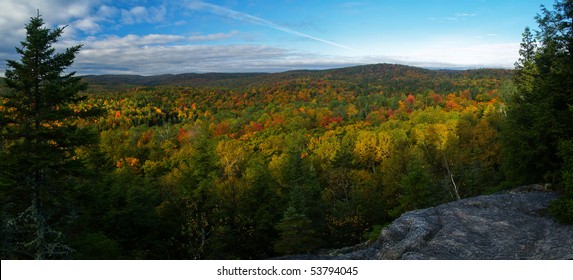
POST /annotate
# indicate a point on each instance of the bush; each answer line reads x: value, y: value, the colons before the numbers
x: 562, y: 210
x: 374, y: 234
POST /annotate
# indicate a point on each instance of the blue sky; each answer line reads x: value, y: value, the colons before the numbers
x: 159, y: 37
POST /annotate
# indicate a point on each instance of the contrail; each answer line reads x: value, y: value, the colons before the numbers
x: 222, y: 11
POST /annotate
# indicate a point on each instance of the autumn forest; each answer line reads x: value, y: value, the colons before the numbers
x: 289, y: 163
x: 256, y: 166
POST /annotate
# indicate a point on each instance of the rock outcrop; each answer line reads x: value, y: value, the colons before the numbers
x: 509, y: 225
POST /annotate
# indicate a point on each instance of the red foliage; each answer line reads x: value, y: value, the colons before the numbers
x: 390, y: 112
x: 221, y: 129
x: 326, y: 121
x: 410, y: 99
x: 275, y: 120
x: 255, y: 126
x: 182, y: 136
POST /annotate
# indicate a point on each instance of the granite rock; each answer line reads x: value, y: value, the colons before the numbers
x: 509, y: 225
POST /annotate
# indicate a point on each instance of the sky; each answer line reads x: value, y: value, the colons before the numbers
x: 152, y: 37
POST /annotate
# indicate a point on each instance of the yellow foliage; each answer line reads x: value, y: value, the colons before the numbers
x: 372, y: 146
x: 232, y: 154
x: 276, y: 165
x: 324, y: 149
x: 351, y: 110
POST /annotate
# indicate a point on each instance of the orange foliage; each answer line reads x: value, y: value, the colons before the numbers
x: 183, y: 136
x: 221, y: 129
x: 452, y: 103
x: 275, y: 120
x: 255, y: 126
x: 131, y: 161
x: 327, y: 121
x: 390, y: 113
x: 410, y: 99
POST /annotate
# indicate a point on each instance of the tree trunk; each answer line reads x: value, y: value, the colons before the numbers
x: 451, y: 178
x: 40, y: 227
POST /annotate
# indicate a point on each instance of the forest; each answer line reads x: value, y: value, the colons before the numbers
x: 255, y: 166
x: 287, y: 165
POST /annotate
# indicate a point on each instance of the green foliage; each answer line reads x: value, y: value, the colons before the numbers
x: 39, y: 140
x: 539, y: 123
x: 97, y: 246
x: 562, y: 209
x: 566, y: 153
x: 374, y: 234
x: 538, y: 116
x: 296, y: 233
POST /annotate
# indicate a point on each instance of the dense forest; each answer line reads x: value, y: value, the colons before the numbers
x: 287, y: 164
x: 254, y: 166
x: 296, y: 164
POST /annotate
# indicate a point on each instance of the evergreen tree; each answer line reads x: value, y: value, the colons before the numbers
x: 39, y: 139
x: 538, y: 117
x: 525, y: 67
x: 297, y: 234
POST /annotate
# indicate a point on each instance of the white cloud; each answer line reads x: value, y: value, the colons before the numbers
x: 88, y: 25
x: 213, y: 37
x: 478, y: 55
x: 159, y: 54
x: 156, y: 59
x: 87, y: 16
x: 106, y: 11
x: 464, y: 15
x: 143, y: 14
x: 132, y: 40
x: 15, y: 14
x: 457, y: 17
x: 116, y: 44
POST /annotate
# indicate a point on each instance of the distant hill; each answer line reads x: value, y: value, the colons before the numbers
x: 382, y: 74
x: 189, y: 79
x: 391, y: 76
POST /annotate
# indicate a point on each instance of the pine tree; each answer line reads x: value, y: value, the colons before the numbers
x: 538, y: 117
x: 296, y: 233
x: 38, y: 162
x: 525, y: 67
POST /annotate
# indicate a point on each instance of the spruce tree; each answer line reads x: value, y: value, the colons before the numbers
x: 538, y: 117
x: 39, y: 139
